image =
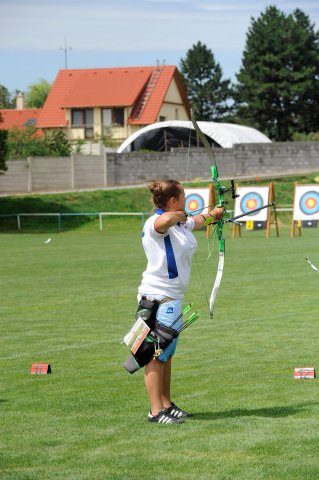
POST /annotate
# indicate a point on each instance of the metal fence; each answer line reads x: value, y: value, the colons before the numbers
x: 60, y: 216
x: 100, y: 215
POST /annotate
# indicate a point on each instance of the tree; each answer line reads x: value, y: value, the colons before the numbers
x: 3, y: 148
x: 202, y: 76
x: 278, y: 82
x: 58, y: 144
x: 37, y: 93
x: 5, y: 98
x: 307, y: 65
x: 26, y: 142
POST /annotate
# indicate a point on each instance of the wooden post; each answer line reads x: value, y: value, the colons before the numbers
x: 165, y: 140
x: 294, y: 222
x: 271, y: 198
x: 236, y: 228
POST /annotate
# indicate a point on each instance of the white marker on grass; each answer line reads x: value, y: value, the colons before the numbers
x: 312, y: 265
x: 47, y: 241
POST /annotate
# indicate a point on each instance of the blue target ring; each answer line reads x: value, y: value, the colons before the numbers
x: 194, y: 203
x: 251, y: 201
x: 309, y: 203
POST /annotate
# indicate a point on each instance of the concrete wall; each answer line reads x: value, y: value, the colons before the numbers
x: 53, y: 174
x: 111, y: 169
x: 244, y: 160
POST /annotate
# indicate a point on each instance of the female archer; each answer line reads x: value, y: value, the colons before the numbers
x: 169, y: 245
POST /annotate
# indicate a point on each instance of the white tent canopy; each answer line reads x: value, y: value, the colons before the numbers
x: 224, y: 134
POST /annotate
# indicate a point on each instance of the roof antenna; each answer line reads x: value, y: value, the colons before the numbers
x: 65, y: 50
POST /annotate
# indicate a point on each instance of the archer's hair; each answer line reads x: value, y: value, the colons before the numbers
x: 163, y: 190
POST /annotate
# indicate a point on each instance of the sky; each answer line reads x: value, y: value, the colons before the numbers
x: 34, y: 34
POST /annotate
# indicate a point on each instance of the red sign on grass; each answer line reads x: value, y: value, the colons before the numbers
x: 40, y: 368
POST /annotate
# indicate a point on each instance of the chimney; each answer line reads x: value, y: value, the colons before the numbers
x: 20, y: 101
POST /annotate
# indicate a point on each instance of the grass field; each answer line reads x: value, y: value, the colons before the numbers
x: 70, y: 302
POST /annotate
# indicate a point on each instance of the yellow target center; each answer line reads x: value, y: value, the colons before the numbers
x: 311, y: 203
x: 251, y: 204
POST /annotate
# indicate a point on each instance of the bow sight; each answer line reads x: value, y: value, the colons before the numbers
x: 231, y: 189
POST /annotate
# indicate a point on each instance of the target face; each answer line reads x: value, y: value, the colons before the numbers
x: 309, y: 203
x: 196, y: 201
x: 250, y: 202
x: 249, y: 199
x: 306, y: 204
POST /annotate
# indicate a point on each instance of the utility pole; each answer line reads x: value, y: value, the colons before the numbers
x: 65, y: 49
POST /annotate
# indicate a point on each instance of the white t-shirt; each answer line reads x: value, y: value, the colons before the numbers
x: 169, y: 257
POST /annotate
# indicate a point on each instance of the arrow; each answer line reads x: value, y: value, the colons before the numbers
x: 185, y: 310
x: 312, y: 265
x: 188, y: 322
x: 271, y: 204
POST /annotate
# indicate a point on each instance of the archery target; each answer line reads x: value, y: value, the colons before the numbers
x: 250, y: 202
x: 196, y: 200
x: 249, y: 199
x: 306, y: 203
x: 309, y: 203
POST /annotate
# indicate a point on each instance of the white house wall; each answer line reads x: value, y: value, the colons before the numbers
x: 173, y: 107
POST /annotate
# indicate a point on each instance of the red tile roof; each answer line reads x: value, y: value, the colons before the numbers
x: 53, y: 114
x: 107, y: 87
x: 19, y: 118
x: 152, y: 107
x: 116, y: 87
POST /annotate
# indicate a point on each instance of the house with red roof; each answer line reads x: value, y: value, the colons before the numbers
x: 90, y: 103
x: 19, y: 118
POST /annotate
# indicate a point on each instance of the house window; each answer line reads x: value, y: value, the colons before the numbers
x: 162, y: 119
x: 112, y: 117
x: 107, y: 117
x: 89, y: 123
x: 84, y: 119
x: 176, y: 114
x: 118, y: 117
x: 77, y: 118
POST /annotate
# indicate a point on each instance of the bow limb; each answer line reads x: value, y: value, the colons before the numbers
x: 217, y: 282
x: 203, y: 139
x: 211, y: 154
x: 221, y: 203
x: 220, y: 268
